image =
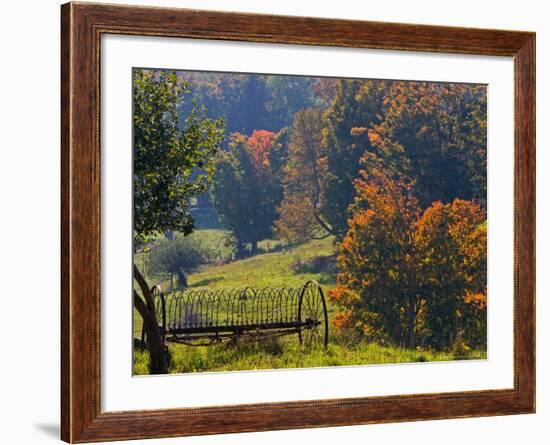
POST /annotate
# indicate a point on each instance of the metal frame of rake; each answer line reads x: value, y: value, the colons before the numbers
x: 206, y: 317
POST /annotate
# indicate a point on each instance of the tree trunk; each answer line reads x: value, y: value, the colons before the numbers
x: 240, y: 250
x: 254, y: 248
x: 182, y: 280
x: 411, y: 340
x: 158, y: 363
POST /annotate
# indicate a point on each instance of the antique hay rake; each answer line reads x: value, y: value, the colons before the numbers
x: 205, y: 317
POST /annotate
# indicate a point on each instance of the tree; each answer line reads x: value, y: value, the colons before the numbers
x: 406, y: 275
x: 378, y: 268
x: 357, y: 106
x: 171, y: 165
x: 178, y: 257
x: 250, y: 102
x: 300, y: 217
x: 431, y: 134
x: 241, y: 99
x: 452, y: 246
x: 247, y: 188
x: 250, y: 111
x: 288, y: 95
x: 435, y: 134
x: 324, y: 89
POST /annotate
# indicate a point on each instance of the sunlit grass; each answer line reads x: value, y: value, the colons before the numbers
x: 264, y: 270
x: 287, y: 353
x: 273, y: 269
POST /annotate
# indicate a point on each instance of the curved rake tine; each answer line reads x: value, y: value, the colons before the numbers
x: 203, y: 317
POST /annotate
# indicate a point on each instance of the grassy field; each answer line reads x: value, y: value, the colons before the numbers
x: 278, y: 267
x: 269, y: 269
x: 287, y: 353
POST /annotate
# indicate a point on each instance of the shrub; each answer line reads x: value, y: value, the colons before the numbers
x: 179, y: 257
x: 318, y: 264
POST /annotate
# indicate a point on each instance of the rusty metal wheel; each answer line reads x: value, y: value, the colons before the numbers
x: 313, y: 317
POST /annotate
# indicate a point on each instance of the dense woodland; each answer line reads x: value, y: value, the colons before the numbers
x: 391, y: 173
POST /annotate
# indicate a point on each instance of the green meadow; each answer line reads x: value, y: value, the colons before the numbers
x: 275, y: 266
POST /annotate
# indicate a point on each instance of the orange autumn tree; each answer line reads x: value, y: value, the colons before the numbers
x: 436, y: 135
x: 409, y: 277
x: 452, y: 246
x: 377, y: 262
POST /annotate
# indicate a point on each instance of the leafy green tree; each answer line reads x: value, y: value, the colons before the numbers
x: 357, y: 106
x: 241, y: 99
x: 251, y: 111
x: 178, y: 257
x: 288, y: 95
x: 171, y: 165
x: 251, y: 102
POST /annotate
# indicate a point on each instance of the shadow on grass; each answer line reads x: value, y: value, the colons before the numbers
x: 327, y: 279
x: 207, y: 281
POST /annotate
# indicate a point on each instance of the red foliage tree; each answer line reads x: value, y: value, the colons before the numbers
x: 260, y: 145
x: 246, y: 189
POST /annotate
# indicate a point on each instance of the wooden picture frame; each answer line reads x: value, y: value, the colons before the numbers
x: 82, y: 26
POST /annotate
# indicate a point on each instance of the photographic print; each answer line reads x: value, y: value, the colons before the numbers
x: 289, y: 202
x: 285, y: 221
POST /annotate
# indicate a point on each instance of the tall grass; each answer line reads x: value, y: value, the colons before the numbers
x: 276, y: 268
x: 287, y: 353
